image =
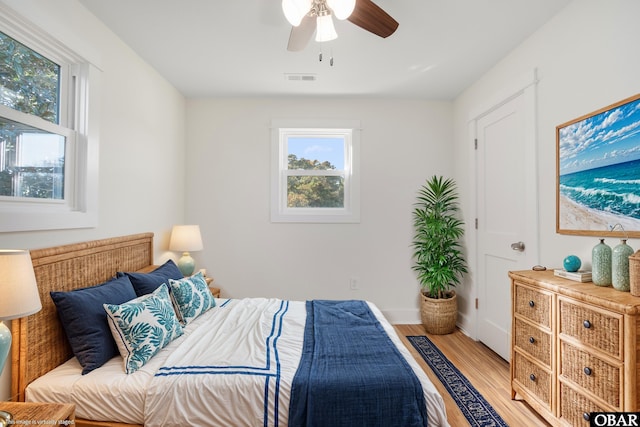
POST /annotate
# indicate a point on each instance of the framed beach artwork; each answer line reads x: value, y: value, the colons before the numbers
x: 598, y: 172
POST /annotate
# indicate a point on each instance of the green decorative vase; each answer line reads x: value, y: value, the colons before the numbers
x: 601, y: 264
x: 620, y: 266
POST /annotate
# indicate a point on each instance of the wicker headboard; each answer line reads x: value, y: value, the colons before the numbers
x: 39, y: 342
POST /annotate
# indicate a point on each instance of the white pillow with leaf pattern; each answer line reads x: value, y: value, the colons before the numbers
x: 192, y: 296
x: 143, y: 326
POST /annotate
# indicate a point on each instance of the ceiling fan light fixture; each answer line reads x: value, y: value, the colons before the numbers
x: 341, y: 9
x: 325, y: 31
x: 295, y: 10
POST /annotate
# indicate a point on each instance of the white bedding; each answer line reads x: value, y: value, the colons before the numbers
x: 248, y: 340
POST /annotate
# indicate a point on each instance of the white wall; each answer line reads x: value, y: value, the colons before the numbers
x: 403, y: 143
x: 586, y: 59
x: 142, y: 138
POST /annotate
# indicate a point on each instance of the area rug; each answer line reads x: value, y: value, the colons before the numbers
x: 474, y: 407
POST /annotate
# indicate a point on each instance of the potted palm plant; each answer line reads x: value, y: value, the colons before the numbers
x: 438, y: 258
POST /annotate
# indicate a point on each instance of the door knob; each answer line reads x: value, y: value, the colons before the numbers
x: 518, y: 246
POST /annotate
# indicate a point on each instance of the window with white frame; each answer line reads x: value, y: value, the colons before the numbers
x: 315, y: 174
x: 48, y: 157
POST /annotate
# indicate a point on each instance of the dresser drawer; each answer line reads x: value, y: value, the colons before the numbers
x: 532, y: 304
x: 534, y: 379
x: 590, y: 372
x: 533, y: 341
x: 596, y: 328
x: 575, y: 408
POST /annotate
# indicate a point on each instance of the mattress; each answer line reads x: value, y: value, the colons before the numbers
x: 108, y: 394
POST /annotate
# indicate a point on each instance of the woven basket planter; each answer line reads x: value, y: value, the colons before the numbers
x: 439, y: 316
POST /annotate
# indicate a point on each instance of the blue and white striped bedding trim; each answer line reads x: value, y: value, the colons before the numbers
x: 269, y: 371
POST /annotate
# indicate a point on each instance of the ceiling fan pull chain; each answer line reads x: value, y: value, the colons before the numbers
x: 321, y: 57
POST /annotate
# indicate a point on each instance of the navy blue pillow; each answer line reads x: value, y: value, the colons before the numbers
x: 146, y: 283
x: 85, y: 321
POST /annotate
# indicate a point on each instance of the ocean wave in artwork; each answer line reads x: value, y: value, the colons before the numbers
x: 613, y: 189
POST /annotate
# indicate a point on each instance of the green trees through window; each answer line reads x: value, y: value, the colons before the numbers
x: 313, y: 191
x: 29, y: 82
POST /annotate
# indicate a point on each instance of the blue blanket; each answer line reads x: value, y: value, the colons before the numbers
x: 351, y: 373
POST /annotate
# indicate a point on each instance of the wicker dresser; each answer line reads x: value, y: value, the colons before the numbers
x: 574, y: 347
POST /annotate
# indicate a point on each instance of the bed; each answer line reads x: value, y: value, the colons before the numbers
x: 182, y: 384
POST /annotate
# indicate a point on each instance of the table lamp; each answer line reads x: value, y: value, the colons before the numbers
x: 18, y: 298
x: 185, y: 239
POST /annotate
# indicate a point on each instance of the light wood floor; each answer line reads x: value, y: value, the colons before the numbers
x: 487, y: 371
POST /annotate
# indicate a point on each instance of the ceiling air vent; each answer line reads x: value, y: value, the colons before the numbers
x: 300, y: 77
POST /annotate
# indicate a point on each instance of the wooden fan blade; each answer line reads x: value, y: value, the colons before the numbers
x: 300, y: 35
x: 371, y: 17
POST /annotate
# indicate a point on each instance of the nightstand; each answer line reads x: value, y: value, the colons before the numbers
x: 214, y: 291
x: 34, y: 413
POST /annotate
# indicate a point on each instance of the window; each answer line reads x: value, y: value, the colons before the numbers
x: 48, y: 158
x: 315, y: 171
x: 31, y: 158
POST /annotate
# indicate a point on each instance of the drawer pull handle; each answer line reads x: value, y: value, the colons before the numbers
x: 587, y: 371
x: 531, y: 303
x: 532, y: 340
x: 532, y: 377
x: 586, y: 324
x: 586, y: 416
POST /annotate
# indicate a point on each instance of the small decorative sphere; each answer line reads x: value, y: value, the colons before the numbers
x: 572, y: 263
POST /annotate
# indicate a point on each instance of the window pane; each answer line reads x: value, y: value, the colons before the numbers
x: 31, y: 162
x: 310, y: 153
x: 29, y: 82
x: 315, y: 192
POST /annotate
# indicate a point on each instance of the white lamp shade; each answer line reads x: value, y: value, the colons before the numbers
x: 342, y: 9
x: 185, y: 238
x: 295, y: 10
x: 19, y: 295
x: 325, y: 31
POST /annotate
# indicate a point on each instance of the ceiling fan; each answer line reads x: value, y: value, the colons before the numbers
x: 309, y: 16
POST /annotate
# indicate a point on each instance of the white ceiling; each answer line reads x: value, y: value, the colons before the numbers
x: 238, y: 47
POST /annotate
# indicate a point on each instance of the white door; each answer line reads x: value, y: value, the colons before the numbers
x: 507, y: 229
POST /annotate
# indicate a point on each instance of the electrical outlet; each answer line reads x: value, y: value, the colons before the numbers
x: 354, y: 283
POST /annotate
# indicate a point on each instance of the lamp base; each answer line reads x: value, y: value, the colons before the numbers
x: 5, y: 343
x: 5, y: 418
x: 186, y: 264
